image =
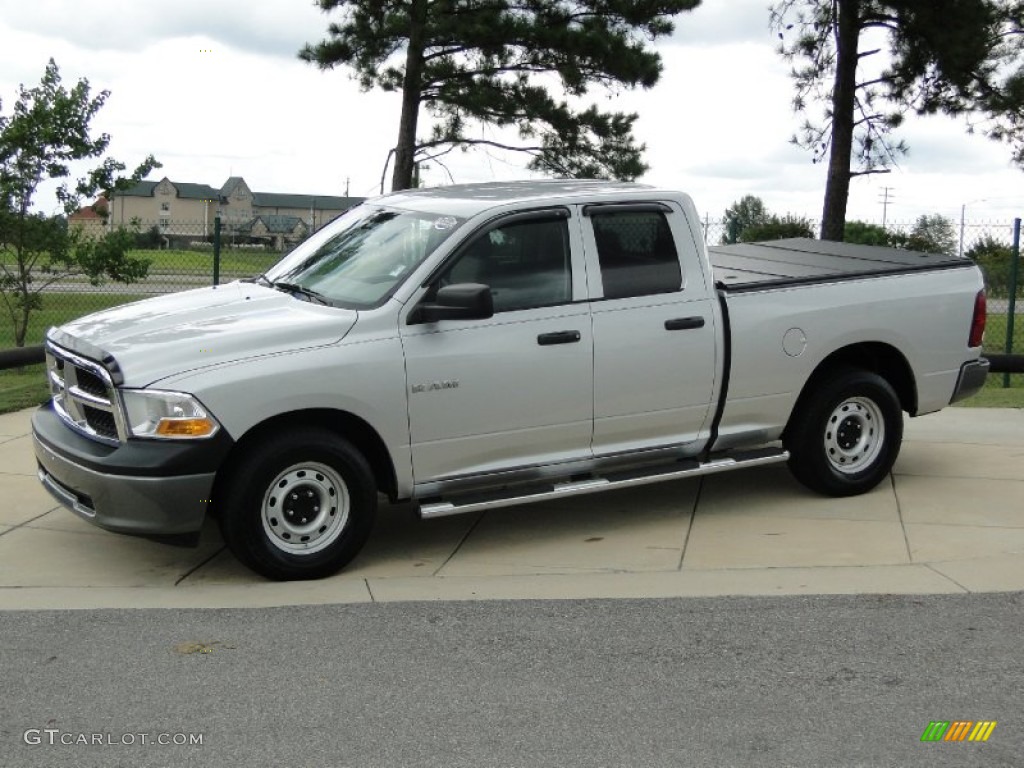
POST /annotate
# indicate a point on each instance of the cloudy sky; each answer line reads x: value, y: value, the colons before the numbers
x: 215, y: 89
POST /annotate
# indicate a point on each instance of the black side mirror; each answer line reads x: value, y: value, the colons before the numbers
x: 463, y: 301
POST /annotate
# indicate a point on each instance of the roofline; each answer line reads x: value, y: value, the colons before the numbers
x: 482, y: 197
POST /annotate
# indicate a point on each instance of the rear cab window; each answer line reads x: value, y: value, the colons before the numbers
x: 636, y: 252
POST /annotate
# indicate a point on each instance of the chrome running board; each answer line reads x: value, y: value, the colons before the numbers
x: 510, y: 497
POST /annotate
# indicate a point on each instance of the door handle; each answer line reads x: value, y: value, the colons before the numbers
x: 684, y: 323
x: 558, y: 337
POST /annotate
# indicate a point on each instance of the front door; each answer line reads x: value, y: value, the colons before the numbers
x: 516, y: 389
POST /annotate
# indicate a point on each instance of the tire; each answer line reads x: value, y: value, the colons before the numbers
x: 846, y: 434
x: 299, y: 506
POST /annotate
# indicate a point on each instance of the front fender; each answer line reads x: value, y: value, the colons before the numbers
x: 363, y: 378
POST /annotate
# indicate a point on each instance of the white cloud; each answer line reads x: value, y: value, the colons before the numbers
x: 269, y: 27
x: 717, y: 125
x: 717, y: 23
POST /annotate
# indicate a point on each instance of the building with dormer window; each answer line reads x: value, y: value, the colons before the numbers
x: 185, y: 209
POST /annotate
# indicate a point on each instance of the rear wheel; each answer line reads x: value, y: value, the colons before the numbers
x: 299, y: 506
x: 846, y: 436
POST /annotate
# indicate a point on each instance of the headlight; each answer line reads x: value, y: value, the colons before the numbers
x: 170, y: 415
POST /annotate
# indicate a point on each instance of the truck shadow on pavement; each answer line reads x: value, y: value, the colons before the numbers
x: 934, y: 509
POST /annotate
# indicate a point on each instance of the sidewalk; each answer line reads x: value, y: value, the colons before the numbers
x: 951, y: 520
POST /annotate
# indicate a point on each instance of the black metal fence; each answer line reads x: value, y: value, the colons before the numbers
x: 192, y: 254
x: 181, y: 255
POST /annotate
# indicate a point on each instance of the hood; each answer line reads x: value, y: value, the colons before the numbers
x: 166, y: 335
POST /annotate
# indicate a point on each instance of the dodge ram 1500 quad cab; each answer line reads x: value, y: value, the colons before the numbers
x: 488, y: 345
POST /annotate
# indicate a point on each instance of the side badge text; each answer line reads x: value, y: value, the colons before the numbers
x: 435, y: 386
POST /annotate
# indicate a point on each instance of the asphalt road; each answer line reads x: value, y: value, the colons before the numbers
x: 817, y: 682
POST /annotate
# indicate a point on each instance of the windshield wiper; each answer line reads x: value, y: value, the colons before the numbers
x: 303, y: 291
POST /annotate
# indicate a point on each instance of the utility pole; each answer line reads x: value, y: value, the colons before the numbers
x: 347, y: 180
x: 887, y: 197
x: 963, y: 224
x: 417, y: 171
x: 963, y: 218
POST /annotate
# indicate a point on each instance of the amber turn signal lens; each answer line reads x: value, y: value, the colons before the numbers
x: 185, y: 427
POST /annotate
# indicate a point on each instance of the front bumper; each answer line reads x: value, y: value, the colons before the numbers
x: 972, y: 378
x: 146, y: 488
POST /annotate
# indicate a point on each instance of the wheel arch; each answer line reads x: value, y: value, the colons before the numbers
x: 342, y: 423
x: 880, y: 358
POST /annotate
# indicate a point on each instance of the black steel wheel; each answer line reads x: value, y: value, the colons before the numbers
x: 846, y: 434
x: 299, y: 506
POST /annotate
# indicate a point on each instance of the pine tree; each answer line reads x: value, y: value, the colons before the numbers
x: 957, y: 57
x: 491, y: 62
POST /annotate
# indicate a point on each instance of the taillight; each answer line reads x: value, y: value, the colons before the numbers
x: 978, y: 321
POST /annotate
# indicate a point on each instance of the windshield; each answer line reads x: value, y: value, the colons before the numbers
x: 360, y: 258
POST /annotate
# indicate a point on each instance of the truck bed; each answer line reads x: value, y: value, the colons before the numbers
x: 800, y: 261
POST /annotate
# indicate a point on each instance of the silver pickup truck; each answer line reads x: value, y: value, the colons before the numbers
x: 483, y: 346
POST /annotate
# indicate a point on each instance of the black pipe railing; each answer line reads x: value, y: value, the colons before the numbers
x: 1007, y: 363
x: 15, y: 358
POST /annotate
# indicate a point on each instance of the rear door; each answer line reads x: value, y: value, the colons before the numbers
x: 514, y: 390
x: 654, y: 328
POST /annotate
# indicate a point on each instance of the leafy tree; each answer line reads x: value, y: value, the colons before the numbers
x: 930, y: 234
x: 748, y: 211
x: 996, y: 260
x: 957, y: 57
x: 863, y: 233
x: 778, y: 228
x: 481, y: 61
x: 151, y: 239
x: 48, y: 130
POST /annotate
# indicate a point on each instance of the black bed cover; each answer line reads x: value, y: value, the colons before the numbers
x: 799, y: 261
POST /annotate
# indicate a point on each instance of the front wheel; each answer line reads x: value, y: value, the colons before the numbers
x: 846, y: 436
x: 299, y: 506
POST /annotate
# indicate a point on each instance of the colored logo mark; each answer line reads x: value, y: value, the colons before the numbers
x: 958, y: 730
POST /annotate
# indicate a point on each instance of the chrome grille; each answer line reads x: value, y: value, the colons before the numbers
x: 102, y: 422
x: 83, y: 395
x: 91, y: 383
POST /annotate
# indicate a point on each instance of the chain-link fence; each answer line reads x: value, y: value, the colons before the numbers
x: 181, y: 255
x: 995, y: 247
x: 990, y: 244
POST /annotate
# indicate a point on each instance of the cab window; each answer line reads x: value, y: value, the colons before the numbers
x: 526, y: 264
x: 637, y: 254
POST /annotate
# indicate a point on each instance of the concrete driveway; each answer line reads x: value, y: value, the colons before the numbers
x: 950, y: 520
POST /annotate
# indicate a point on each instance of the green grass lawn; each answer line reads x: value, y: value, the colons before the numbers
x: 26, y: 387
x: 994, y: 396
x: 59, y: 308
x: 997, y: 327
x: 232, y: 262
x: 23, y: 388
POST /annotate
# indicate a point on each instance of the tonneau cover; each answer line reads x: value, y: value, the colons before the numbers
x: 796, y: 261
